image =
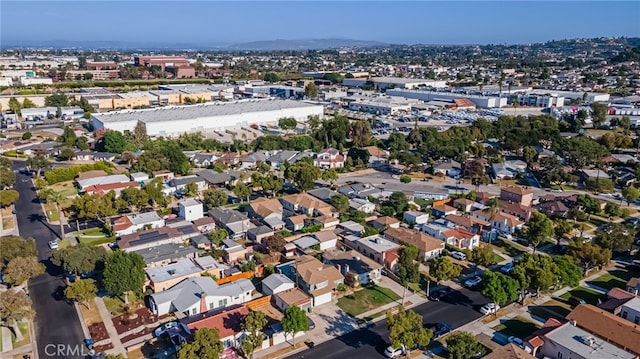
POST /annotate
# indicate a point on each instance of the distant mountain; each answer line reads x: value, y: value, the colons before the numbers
x: 304, y: 44
x: 111, y: 45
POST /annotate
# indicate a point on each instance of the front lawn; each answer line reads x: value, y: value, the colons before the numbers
x: 366, y: 299
x: 518, y: 326
x: 115, y: 305
x: 94, y: 236
x: 613, y: 279
x: 24, y: 329
x: 589, y: 295
x: 551, y: 309
x: 51, y: 212
x: 508, y: 247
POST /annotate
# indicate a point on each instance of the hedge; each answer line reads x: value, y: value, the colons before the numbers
x: 67, y: 174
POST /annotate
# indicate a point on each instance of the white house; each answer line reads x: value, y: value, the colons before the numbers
x: 276, y: 283
x: 139, y: 177
x: 631, y: 310
x: 363, y: 205
x: 134, y: 222
x: 327, y: 239
x: 190, y: 209
x: 329, y: 158
x: 415, y: 217
x: 199, y: 295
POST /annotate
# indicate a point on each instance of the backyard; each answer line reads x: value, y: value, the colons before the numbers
x: 366, y: 299
x: 612, y: 279
x: 518, y: 326
x: 589, y: 295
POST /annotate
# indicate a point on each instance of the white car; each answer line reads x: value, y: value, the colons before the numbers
x: 472, y: 282
x: 459, y: 255
x: 392, y: 352
x: 53, y: 245
x: 489, y: 308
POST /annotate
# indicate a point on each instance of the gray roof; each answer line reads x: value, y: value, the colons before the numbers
x: 214, y: 177
x: 259, y: 156
x: 163, y: 252
x: 576, y: 340
x: 144, y: 218
x: 203, y: 157
x: 189, y: 202
x: 187, y: 293
x: 103, y: 180
x: 138, y: 176
x: 171, y: 113
x: 282, y: 156
x: 185, y: 180
x: 352, y: 226
x: 273, y: 222
x: 275, y: 280
x: 322, y: 193
x: 300, y: 156
x: 207, y: 262
x: 306, y: 242
x: 260, y: 230
x: 178, y: 269
x: 377, y: 243
x: 231, y: 244
x: 227, y: 216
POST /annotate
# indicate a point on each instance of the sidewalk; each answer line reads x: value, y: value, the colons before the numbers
x: 118, y: 348
x: 7, y: 345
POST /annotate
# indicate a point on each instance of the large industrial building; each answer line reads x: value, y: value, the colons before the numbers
x: 215, y: 116
x: 382, y: 83
x: 480, y: 101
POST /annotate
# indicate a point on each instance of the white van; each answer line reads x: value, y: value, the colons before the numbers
x: 459, y: 255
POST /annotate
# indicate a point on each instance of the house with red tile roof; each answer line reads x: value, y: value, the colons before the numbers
x: 329, y: 158
x: 228, y: 322
x: 106, y: 188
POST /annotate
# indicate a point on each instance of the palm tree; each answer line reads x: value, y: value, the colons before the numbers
x: 56, y: 198
x: 492, y: 209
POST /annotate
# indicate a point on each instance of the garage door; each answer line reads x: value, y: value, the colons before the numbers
x: 321, y: 299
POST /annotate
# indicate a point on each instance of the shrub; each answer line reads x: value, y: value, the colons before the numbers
x: 405, y: 179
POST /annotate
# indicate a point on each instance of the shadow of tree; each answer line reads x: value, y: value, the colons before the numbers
x: 37, y: 217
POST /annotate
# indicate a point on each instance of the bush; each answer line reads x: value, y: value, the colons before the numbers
x: 405, y: 179
x: 67, y: 174
x: 27, y: 135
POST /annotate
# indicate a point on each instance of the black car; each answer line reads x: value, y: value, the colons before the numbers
x: 439, y: 294
x: 441, y: 329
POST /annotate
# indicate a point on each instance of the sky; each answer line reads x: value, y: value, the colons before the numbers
x: 411, y: 22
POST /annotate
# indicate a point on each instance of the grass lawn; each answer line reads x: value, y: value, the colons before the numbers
x: 24, y: 328
x: 380, y: 313
x: 366, y: 299
x: 94, y: 236
x: 518, y: 326
x: 64, y: 243
x: 66, y: 188
x: 589, y: 295
x: 51, y: 212
x: 115, y: 305
x: 551, y: 309
x: 422, y: 286
x: 497, y: 258
x: 612, y: 279
x: 91, y: 314
x: 508, y: 247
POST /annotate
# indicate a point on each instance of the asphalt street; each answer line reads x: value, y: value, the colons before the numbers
x: 457, y: 309
x: 57, y: 326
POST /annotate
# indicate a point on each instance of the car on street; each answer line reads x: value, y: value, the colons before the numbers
x: 53, y: 245
x: 438, y: 294
x: 472, y: 282
x: 458, y: 255
x: 515, y: 340
x: 392, y: 352
x: 441, y: 329
x: 507, y: 268
x: 489, y: 308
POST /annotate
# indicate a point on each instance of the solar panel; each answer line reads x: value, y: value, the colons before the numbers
x: 148, y: 238
x: 186, y: 229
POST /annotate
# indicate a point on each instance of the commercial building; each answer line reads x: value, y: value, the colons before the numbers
x: 173, y: 121
x: 480, y: 101
x: 382, y: 83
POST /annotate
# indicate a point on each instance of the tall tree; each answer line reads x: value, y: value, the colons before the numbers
x: 303, y: 175
x: 13, y: 247
x: 7, y: 178
x: 587, y: 254
x: 294, y: 321
x: 123, y: 273
x: 38, y: 162
x: 615, y: 236
x: 81, y: 291
x: 311, y: 91
x: 406, y: 329
x: 56, y: 100
x: 15, y: 307
x: 630, y: 194
x: 540, y: 229
x: 408, y: 268
x: 499, y: 288
x: 214, y: 198
x: 483, y: 256
x: 15, y: 105
x: 206, y: 344
x: 56, y: 198
x: 441, y: 268
x: 8, y: 197
x: 79, y: 259
x: 330, y: 175
x: 598, y: 113
x: 536, y: 271
x: 463, y: 345
x: 113, y: 141
x: 254, y: 324
x: 530, y: 155
x: 242, y: 191
x: 360, y: 133
x: 21, y: 269
x: 340, y: 202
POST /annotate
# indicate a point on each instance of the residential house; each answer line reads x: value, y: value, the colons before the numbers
x: 306, y: 204
x: 449, y: 168
x: 228, y: 323
x: 161, y: 278
x: 317, y: 279
x: 276, y: 283
x: 468, y: 222
x: 443, y: 210
x: 349, y: 228
x: 215, y: 179
x: 461, y: 238
x: 323, y: 193
x: 200, y: 294
x: 415, y: 217
x: 231, y: 159
x: 164, y: 254
x: 117, y: 188
x: 464, y: 204
x: 554, y: 209
x: 375, y: 247
x: 428, y: 246
x: 83, y: 184
x: 633, y: 285
x: 205, y: 224
x: 500, y: 171
x: 327, y: 239
x: 306, y: 244
x: 616, y: 297
x: 329, y: 158
x: 260, y: 233
x: 362, y: 205
x: 204, y: 159
x: 613, y: 329
x: 377, y: 156
x: 253, y: 159
x: 269, y: 211
x: 326, y: 221
x: 631, y: 310
x: 139, y: 177
x: 280, y: 158
x: 517, y: 194
x: 236, y: 223
x: 585, y: 174
x: 504, y: 222
x: 509, y: 351
x: 134, y: 222
x: 177, y: 185
x: 201, y: 241
x: 366, y: 270
x: 567, y: 341
x: 166, y: 175
x: 381, y: 223
x: 295, y: 223
x: 190, y: 209
x: 363, y: 191
x: 516, y: 209
x: 235, y: 252
x: 293, y: 296
x: 155, y: 237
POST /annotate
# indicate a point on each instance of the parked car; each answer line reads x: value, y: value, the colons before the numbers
x: 472, y: 282
x: 441, y: 329
x: 392, y: 352
x: 459, y: 255
x: 575, y: 301
x: 489, y: 308
x: 438, y: 294
x: 312, y: 325
x: 515, y: 340
x: 53, y: 245
x: 163, y: 328
x: 507, y: 268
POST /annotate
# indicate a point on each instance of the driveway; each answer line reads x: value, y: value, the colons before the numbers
x: 331, y: 322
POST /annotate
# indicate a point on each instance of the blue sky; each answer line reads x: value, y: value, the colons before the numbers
x: 207, y: 22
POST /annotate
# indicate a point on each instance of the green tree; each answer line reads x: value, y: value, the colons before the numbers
x: 56, y: 198
x: 340, y: 202
x: 21, y: 269
x: 15, y: 105
x: 406, y: 328
x: 499, y: 288
x: 483, y: 256
x: 191, y: 189
x: 615, y: 236
x: 38, y: 162
x: 588, y: 204
x: 14, y: 247
x: 598, y: 113
x: 530, y: 155
x: 330, y: 175
x: 214, y: 198
x: 287, y: 123
x: 7, y: 177
x: 360, y: 133
x: 27, y: 135
x: 27, y: 103
x: 441, y: 268
x: 536, y: 271
x: 113, y: 141
x: 540, y: 229
x: 79, y: 259
x: 630, y: 194
x: 408, y: 268
x: 569, y: 273
x: 405, y: 179
x: 218, y: 235
x: 81, y: 143
x: 56, y: 100
x: 311, y: 91
x: 561, y: 227
x: 206, y: 344
x: 242, y: 190
x: 8, y: 197
x: 271, y: 77
x: 123, y: 273
x: 588, y: 254
x: 463, y: 345
x: 253, y: 324
x: 275, y: 243
x: 612, y: 209
x: 294, y: 321
x: 14, y: 308
x: 67, y: 154
x: 351, y: 279
x: 81, y: 291
x: 303, y: 175
x: 397, y: 142
x: 154, y: 192
x: 398, y: 201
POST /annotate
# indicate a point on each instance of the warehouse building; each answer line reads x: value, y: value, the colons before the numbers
x: 480, y: 101
x: 382, y: 83
x: 215, y: 116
